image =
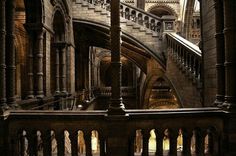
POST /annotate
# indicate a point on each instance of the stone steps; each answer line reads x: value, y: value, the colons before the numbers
x: 86, y: 11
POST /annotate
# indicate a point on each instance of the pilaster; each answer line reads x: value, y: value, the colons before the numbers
x: 220, y: 54
x: 10, y: 55
x: 230, y: 55
x: 3, y: 105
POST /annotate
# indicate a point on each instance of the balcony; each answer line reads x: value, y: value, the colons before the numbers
x: 38, y: 132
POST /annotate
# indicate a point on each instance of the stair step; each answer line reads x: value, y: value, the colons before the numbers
x: 136, y: 26
x: 91, y: 7
x: 142, y: 29
x: 104, y: 13
x: 129, y: 23
x: 85, y: 4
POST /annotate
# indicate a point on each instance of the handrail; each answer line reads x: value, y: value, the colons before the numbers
x: 47, y: 125
x: 194, y: 48
x: 187, y: 56
x: 141, y: 10
x: 136, y: 15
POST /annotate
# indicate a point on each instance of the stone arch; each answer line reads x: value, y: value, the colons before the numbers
x: 149, y: 82
x: 127, y: 75
x: 188, y: 16
x: 164, y: 7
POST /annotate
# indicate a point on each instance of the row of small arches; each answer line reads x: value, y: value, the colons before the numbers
x: 97, y: 149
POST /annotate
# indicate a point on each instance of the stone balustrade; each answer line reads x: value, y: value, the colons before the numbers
x: 187, y: 56
x: 139, y: 16
x: 59, y: 132
x: 125, y: 91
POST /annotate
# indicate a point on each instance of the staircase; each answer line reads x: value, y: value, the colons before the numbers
x: 180, y: 58
x: 144, y: 28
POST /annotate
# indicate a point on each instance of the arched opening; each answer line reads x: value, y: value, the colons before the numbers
x: 162, y: 96
x: 58, y: 55
x: 105, y: 72
x: 161, y: 11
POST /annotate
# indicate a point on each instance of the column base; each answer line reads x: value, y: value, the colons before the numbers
x: 14, y: 106
x: 12, y: 103
x: 4, y: 108
x: 39, y: 96
x: 30, y: 97
x: 116, y: 107
x: 219, y: 101
x: 228, y: 106
x: 64, y: 93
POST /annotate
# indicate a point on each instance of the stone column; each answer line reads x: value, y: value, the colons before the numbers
x: 39, y: 62
x: 116, y: 106
x: 230, y: 54
x: 3, y: 105
x: 30, y: 68
x: 63, y: 71
x: 220, y: 55
x: 10, y: 55
x: 90, y: 72
x: 57, y: 64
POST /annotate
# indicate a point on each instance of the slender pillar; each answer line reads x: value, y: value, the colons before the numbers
x: 63, y: 71
x: 159, y: 142
x: 10, y: 55
x: 3, y: 105
x: 74, y: 142
x: 230, y: 54
x: 57, y: 86
x: 30, y: 68
x: 39, y: 61
x: 220, y: 55
x: 116, y: 107
x: 146, y: 136
x: 87, y: 137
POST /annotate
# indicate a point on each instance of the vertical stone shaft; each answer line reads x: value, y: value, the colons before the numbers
x: 63, y: 70
x: 230, y: 55
x: 116, y: 99
x: 220, y: 58
x: 10, y: 55
x: 39, y: 61
x: 57, y: 75
x: 30, y: 69
x: 3, y: 105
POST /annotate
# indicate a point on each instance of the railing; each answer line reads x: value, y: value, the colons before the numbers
x: 187, y: 56
x: 125, y: 91
x: 59, y: 133
x: 62, y: 103
x: 139, y: 16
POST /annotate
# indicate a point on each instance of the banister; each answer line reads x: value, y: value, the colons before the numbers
x: 187, y: 44
x: 111, y: 129
x: 187, y: 56
x: 142, y: 11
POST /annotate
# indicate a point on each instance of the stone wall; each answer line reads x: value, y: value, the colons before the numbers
x: 209, y: 51
x: 189, y: 94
